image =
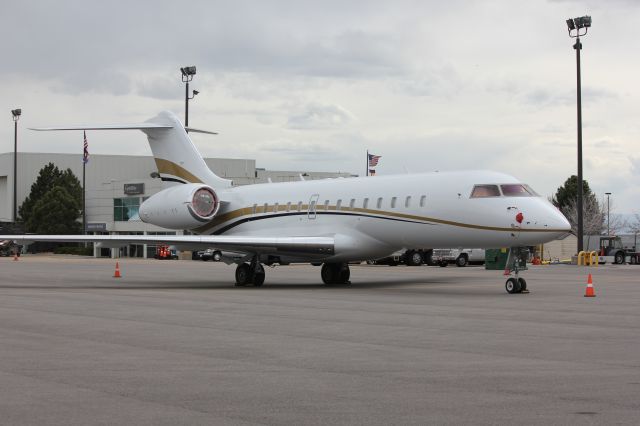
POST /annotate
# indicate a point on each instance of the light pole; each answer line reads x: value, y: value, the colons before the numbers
x: 187, y: 76
x: 608, y: 218
x: 16, y: 116
x: 578, y: 27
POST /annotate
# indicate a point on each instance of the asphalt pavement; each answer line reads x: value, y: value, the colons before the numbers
x: 174, y: 342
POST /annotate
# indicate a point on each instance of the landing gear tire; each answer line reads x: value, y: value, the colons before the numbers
x: 414, y: 258
x: 461, y: 261
x: 619, y: 259
x: 513, y: 286
x: 523, y: 285
x: 243, y: 275
x: 258, y: 278
x: 335, y: 273
x: 246, y: 276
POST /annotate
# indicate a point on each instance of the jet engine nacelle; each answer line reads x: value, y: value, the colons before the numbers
x: 181, y: 207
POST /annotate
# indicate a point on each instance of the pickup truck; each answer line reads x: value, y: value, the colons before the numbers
x: 461, y: 257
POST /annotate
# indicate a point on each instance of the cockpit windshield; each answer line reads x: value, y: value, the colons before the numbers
x: 506, y: 190
x: 514, y: 190
x: 483, y: 191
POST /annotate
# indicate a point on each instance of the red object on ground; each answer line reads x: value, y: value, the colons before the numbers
x: 117, y: 273
x: 589, y: 292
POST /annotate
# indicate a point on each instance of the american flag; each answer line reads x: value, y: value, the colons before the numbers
x: 85, y: 155
x: 373, y: 160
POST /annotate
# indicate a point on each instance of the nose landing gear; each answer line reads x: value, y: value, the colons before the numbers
x: 515, y: 263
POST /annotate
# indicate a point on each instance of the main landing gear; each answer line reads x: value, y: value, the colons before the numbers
x: 250, y: 273
x: 335, y: 273
x: 514, y: 265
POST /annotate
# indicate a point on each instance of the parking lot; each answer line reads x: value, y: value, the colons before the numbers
x: 174, y: 342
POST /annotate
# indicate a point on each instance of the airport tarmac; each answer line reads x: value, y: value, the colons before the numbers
x: 173, y: 342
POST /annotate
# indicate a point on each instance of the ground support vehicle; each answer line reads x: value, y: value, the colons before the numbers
x: 461, y: 257
x: 610, y: 249
x: 164, y: 252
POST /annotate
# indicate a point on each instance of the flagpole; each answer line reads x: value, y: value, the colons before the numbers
x: 84, y: 205
x: 85, y: 158
x: 367, y: 163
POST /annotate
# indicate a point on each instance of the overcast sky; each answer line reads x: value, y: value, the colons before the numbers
x: 311, y: 85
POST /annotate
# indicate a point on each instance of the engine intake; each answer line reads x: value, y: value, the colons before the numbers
x: 181, y: 207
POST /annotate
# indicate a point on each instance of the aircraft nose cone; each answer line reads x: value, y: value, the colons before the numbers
x: 558, y: 222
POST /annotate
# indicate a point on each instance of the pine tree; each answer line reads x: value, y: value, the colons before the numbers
x: 54, y: 204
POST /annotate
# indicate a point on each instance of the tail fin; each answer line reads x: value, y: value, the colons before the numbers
x: 177, y: 159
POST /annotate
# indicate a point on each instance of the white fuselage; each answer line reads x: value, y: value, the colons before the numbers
x: 374, y: 216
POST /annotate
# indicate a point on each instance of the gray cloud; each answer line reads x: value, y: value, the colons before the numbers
x: 160, y: 88
x: 318, y: 116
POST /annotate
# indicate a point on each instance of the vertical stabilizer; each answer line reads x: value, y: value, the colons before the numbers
x: 176, y: 156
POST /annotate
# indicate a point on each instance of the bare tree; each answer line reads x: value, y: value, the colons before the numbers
x: 593, y: 219
x: 618, y: 223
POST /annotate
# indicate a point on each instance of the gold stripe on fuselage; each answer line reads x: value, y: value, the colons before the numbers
x: 259, y: 213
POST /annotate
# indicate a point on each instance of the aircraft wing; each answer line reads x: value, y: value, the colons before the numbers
x: 249, y: 244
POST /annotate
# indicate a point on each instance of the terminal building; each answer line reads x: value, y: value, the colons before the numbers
x: 116, y: 185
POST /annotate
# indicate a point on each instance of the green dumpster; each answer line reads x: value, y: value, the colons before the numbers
x: 496, y: 259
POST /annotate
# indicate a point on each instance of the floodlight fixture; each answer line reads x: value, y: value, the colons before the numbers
x: 188, y: 73
x: 16, y: 113
x: 574, y: 25
x: 195, y: 92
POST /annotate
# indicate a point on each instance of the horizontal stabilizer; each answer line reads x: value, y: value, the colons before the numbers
x: 191, y: 129
x: 139, y: 126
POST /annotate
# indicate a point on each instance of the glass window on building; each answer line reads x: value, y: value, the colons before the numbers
x: 125, y: 209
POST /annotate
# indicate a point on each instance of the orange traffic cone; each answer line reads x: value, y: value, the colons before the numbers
x: 117, y: 273
x: 589, y: 291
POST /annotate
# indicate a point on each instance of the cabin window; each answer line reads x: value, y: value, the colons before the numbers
x: 423, y: 200
x: 275, y: 207
x: 338, y: 204
x: 393, y: 202
x: 407, y: 202
x: 379, y: 203
x: 326, y: 204
x: 299, y: 206
x: 255, y: 208
x: 266, y: 207
x: 484, y: 191
x: 289, y: 206
x: 352, y: 203
x: 365, y: 203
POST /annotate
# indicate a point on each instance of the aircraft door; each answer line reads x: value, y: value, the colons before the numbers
x: 313, y: 206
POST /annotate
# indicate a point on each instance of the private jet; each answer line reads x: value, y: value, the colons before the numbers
x: 332, y: 221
